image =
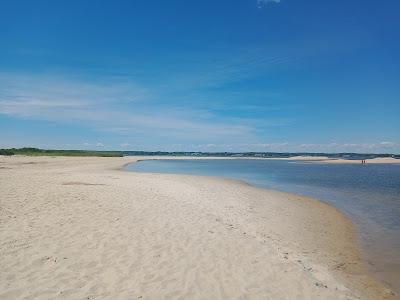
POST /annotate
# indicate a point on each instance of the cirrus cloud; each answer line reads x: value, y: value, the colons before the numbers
x: 261, y: 3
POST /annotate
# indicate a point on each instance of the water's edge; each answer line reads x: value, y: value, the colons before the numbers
x: 356, y: 230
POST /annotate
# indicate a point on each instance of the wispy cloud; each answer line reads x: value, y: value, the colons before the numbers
x: 373, y: 147
x: 261, y: 3
x: 114, y: 105
x: 378, y: 147
x: 124, y: 108
x: 218, y: 68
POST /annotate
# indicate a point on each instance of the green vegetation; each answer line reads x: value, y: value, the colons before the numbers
x: 42, y: 152
x: 6, y: 152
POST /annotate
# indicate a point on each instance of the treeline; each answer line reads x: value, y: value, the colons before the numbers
x: 43, y: 152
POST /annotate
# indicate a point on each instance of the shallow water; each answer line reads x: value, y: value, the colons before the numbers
x: 368, y: 194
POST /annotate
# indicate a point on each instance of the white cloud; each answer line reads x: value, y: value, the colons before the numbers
x: 388, y: 144
x: 301, y: 147
x: 352, y: 147
x: 262, y: 3
x: 37, y: 92
x: 122, y: 108
x: 114, y: 105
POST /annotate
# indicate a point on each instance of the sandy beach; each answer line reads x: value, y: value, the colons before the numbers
x: 377, y: 160
x: 325, y: 159
x: 83, y: 228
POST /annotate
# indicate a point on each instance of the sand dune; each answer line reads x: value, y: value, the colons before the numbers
x: 82, y: 228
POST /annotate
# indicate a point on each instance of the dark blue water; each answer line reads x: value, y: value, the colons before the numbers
x: 368, y: 194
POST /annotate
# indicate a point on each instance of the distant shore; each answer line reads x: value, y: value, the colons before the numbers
x: 311, y: 159
x: 325, y: 159
x: 82, y: 227
x: 304, y: 156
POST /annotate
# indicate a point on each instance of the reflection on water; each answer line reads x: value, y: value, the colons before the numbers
x: 368, y: 194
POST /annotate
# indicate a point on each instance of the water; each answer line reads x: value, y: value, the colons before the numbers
x: 368, y: 194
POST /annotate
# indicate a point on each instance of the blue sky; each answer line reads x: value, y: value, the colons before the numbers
x: 244, y: 75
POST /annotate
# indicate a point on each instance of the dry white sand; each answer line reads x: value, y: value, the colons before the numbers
x: 306, y: 158
x: 325, y: 159
x: 315, y: 159
x: 82, y: 228
x: 378, y: 160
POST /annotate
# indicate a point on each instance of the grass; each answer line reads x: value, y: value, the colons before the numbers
x: 43, y: 152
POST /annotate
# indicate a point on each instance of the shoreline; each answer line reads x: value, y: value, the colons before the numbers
x: 364, y: 255
x: 303, y: 159
x: 263, y: 224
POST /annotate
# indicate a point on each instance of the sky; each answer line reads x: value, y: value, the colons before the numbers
x: 210, y: 75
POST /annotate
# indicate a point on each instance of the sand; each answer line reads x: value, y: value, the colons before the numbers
x: 311, y: 159
x: 83, y: 228
x: 325, y: 159
x: 303, y: 158
x: 377, y: 160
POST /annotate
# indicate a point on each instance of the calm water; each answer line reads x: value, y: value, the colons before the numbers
x: 368, y: 194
